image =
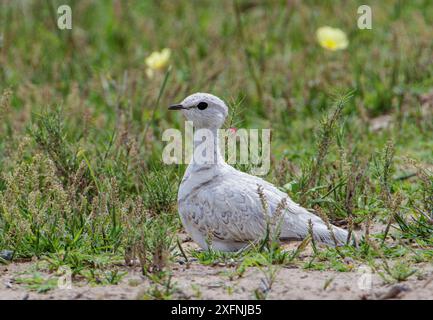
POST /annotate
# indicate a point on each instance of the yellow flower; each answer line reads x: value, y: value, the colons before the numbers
x: 332, y: 38
x: 157, y: 61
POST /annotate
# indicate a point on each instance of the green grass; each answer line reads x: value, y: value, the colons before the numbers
x: 82, y: 180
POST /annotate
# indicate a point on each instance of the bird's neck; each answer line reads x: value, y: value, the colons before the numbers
x: 206, y: 152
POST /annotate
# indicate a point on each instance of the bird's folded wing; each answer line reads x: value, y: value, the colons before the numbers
x: 227, y: 212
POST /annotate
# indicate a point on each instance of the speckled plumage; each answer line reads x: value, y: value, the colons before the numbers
x: 221, y: 206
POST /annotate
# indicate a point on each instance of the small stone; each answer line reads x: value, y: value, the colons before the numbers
x: 395, y: 292
x: 348, y: 260
x: 6, y: 255
x: 78, y: 296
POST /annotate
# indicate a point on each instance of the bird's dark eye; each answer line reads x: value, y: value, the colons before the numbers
x: 202, y: 105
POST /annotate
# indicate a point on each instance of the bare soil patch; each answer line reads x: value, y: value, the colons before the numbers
x: 196, y: 281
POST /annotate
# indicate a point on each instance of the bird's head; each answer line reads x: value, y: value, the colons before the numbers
x: 204, y: 110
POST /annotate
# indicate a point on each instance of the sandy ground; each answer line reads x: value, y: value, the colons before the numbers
x: 202, y: 282
x: 196, y: 281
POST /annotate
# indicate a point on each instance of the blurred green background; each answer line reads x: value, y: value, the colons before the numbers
x: 273, y: 63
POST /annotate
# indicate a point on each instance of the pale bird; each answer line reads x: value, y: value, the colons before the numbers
x: 220, y: 206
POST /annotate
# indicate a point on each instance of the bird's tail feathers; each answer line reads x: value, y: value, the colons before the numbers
x: 334, y: 237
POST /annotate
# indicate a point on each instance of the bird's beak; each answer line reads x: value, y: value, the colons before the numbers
x: 176, y: 107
